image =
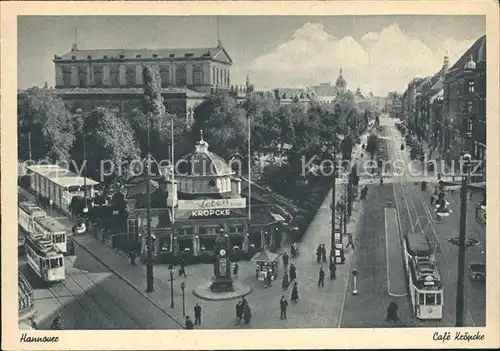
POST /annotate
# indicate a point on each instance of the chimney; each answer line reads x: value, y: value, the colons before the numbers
x: 74, y: 47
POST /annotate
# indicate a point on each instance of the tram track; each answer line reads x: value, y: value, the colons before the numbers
x: 79, y: 292
x: 408, y: 192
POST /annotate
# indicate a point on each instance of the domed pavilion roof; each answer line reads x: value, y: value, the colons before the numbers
x: 203, y: 163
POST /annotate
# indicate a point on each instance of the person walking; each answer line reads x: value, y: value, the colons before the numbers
x: 321, y: 277
x: 247, y: 313
x: 132, y: 257
x: 235, y: 270
x: 323, y: 253
x: 33, y: 323
x: 333, y: 270
x: 56, y: 323
x: 283, y: 307
x: 293, y: 272
x: 268, y: 279
x: 182, y: 268
x: 392, y: 312
x: 286, y: 281
x: 239, y: 312
x: 350, y: 242
x: 189, y: 323
x: 295, y: 293
x: 318, y: 254
x: 197, y: 314
x: 285, y: 261
x: 381, y: 181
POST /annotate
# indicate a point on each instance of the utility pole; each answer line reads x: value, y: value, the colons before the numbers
x: 466, y: 168
x: 29, y: 145
x: 334, y: 185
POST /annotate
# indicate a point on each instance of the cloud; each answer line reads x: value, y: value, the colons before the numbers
x: 383, y: 62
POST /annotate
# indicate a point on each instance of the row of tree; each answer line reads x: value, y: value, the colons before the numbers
x: 48, y: 130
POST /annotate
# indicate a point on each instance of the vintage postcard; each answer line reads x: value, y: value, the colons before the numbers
x: 250, y: 175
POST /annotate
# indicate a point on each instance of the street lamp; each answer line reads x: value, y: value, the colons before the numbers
x: 183, y: 288
x: 51, y: 202
x: 172, y: 271
x: 459, y: 314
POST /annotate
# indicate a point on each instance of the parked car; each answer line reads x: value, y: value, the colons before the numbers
x: 477, y: 272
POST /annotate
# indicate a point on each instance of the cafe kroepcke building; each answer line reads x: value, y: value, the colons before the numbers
x: 192, y: 207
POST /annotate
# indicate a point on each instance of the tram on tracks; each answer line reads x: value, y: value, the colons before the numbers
x: 424, y: 279
x: 27, y: 213
x: 53, y: 229
x: 44, y: 258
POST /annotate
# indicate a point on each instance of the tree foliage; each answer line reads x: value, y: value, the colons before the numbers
x: 110, y: 140
x: 153, y: 112
x: 44, y: 119
x: 371, y: 144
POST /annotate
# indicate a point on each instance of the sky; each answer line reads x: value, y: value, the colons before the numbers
x: 377, y: 53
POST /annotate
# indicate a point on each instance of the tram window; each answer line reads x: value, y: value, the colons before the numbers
x: 421, y: 299
x: 438, y: 299
x: 54, y: 263
x: 430, y: 299
x: 60, y: 262
x: 59, y: 238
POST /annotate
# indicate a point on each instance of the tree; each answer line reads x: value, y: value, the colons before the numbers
x: 110, y: 143
x: 152, y: 108
x: 371, y: 145
x: 44, y: 119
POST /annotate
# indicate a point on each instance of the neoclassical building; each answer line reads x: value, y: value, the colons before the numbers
x: 111, y: 76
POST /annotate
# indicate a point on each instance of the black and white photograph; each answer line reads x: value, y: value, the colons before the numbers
x: 236, y: 172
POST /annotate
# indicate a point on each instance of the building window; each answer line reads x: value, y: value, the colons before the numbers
x: 471, y: 86
x: 82, y: 76
x: 66, y: 76
x: 133, y: 226
x: 98, y: 76
x: 165, y: 75
x: 197, y: 77
x: 180, y: 75
x: 130, y: 75
x: 114, y: 75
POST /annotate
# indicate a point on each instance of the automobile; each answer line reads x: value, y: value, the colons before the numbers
x: 21, y: 241
x: 80, y: 227
x: 477, y: 272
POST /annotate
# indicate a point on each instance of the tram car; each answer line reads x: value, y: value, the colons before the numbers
x: 53, y: 229
x: 424, y: 279
x: 45, y: 259
x: 27, y: 213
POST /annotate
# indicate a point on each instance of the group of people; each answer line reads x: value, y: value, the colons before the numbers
x: 243, y: 311
x: 197, y: 317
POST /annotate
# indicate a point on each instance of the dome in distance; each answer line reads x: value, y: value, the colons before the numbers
x: 341, y: 82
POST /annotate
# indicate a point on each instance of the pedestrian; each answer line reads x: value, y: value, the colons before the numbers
x: 283, y: 307
x: 182, y: 268
x: 392, y: 312
x: 318, y: 253
x: 239, y: 312
x: 333, y: 270
x: 381, y: 181
x: 132, y: 257
x: 293, y: 272
x: 235, y: 270
x: 295, y: 293
x: 247, y: 313
x: 323, y: 253
x: 189, y: 323
x: 350, y: 242
x: 197, y: 314
x: 321, y: 277
x: 285, y: 261
x: 286, y: 282
x: 268, y: 278
x: 56, y: 323
x: 33, y: 323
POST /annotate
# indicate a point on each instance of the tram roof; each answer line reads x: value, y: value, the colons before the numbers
x: 417, y: 244
x: 51, y: 224
x: 31, y: 208
x: 42, y: 245
x: 61, y: 176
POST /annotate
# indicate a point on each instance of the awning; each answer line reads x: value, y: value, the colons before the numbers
x: 277, y: 217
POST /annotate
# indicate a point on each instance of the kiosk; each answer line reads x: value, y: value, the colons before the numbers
x: 266, y: 261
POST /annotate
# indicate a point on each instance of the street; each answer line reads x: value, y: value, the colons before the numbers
x: 91, y: 297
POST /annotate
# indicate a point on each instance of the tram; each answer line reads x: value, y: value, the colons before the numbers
x: 53, y: 229
x: 424, y: 280
x: 46, y: 260
x: 27, y: 213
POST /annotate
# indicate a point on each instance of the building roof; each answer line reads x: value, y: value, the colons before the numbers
x: 123, y: 91
x: 202, y: 163
x: 478, y: 52
x: 123, y: 54
x: 61, y: 176
x: 265, y: 256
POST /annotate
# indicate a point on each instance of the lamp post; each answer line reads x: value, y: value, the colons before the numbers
x: 334, y: 186
x: 354, y: 282
x: 172, y: 271
x: 183, y: 288
x: 51, y: 202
